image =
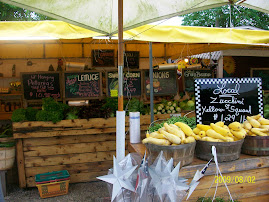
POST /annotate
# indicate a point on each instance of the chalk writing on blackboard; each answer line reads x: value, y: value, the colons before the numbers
x: 131, y: 59
x: 164, y: 82
x: 190, y: 74
x: 103, y: 58
x: 82, y: 85
x: 42, y: 85
x: 227, y: 100
x: 131, y: 83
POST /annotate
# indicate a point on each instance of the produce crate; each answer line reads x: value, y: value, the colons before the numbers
x: 52, y: 183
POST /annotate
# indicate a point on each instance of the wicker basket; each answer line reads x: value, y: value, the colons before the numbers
x: 226, y: 151
x: 7, y: 157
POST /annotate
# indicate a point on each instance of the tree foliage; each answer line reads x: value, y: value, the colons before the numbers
x: 13, y: 13
x: 220, y: 17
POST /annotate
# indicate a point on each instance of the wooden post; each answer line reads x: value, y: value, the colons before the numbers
x: 120, y: 54
x: 20, y: 162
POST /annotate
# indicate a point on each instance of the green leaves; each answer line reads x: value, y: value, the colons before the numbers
x: 220, y: 17
x: 13, y: 13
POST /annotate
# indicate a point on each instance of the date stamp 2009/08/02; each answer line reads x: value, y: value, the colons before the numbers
x: 235, y: 179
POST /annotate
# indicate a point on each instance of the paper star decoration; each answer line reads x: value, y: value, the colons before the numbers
x: 120, y: 178
x: 165, y: 179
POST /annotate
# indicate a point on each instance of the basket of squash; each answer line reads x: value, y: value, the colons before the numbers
x: 174, y: 137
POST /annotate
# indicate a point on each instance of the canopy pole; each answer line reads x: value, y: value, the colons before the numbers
x: 120, y: 115
x: 120, y: 54
x: 151, y: 83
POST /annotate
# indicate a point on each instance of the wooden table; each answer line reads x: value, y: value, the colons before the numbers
x: 252, y: 170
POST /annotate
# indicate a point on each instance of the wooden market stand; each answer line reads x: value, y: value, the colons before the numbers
x: 253, y: 168
x: 84, y: 147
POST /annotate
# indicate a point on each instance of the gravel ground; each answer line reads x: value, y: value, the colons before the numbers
x: 89, y: 191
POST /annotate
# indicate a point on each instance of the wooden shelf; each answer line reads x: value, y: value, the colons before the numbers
x: 10, y: 94
x: 5, y: 115
x: 9, y: 77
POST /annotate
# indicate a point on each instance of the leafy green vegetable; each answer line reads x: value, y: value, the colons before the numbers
x: 134, y: 105
x: 31, y: 114
x: 189, y: 121
x: 55, y: 116
x: 19, y: 115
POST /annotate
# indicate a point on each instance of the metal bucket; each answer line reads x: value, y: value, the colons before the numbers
x: 256, y: 145
x: 226, y: 151
x: 183, y: 153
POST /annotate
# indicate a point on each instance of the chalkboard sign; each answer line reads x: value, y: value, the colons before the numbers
x: 188, y: 76
x: 103, y: 58
x: 164, y: 82
x: 227, y: 99
x: 264, y: 74
x: 82, y: 84
x: 131, y: 83
x: 131, y: 59
x: 41, y: 85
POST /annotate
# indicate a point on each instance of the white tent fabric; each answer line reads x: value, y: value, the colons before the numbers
x: 102, y: 15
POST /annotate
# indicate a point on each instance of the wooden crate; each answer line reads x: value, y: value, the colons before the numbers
x: 84, y: 147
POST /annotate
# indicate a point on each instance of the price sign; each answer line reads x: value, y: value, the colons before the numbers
x: 227, y: 99
x: 164, y: 82
x: 82, y: 84
x: 131, y: 83
x: 41, y: 85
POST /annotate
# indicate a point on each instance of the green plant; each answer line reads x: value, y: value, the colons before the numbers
x: 189, y: 121
x: 19, y: 115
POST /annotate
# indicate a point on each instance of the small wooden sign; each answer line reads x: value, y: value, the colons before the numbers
x: 82, y: 85
x: 227, y: 99
x: 264, y: 74
x: 103, y: 58
x: 41, y: 85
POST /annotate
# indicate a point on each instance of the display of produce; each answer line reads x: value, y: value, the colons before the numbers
x: 219, y: 132
x: 256, y: 126
x: 174, y: 131
x: 172, y: 107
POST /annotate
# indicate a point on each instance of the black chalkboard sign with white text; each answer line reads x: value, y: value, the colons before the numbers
x: 188, y: 76
x: 131, y: 59
x: 103, y: 58
x: 164, y: 82
x: 41, y: 85
x: 227, y: 99
x: 131, y: 83
x: 80, y: 85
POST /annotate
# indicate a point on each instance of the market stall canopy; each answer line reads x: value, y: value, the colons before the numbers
x: 188, y: 34
x: 102, y: 15
x: 42, y: 30
x: 160, y: 33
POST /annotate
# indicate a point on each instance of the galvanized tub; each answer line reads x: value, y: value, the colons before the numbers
x: 183, y: 153
x: 226, y: 151
x: 256, y: 145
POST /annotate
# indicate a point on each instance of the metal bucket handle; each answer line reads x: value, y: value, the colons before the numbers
x: 185, y: 115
